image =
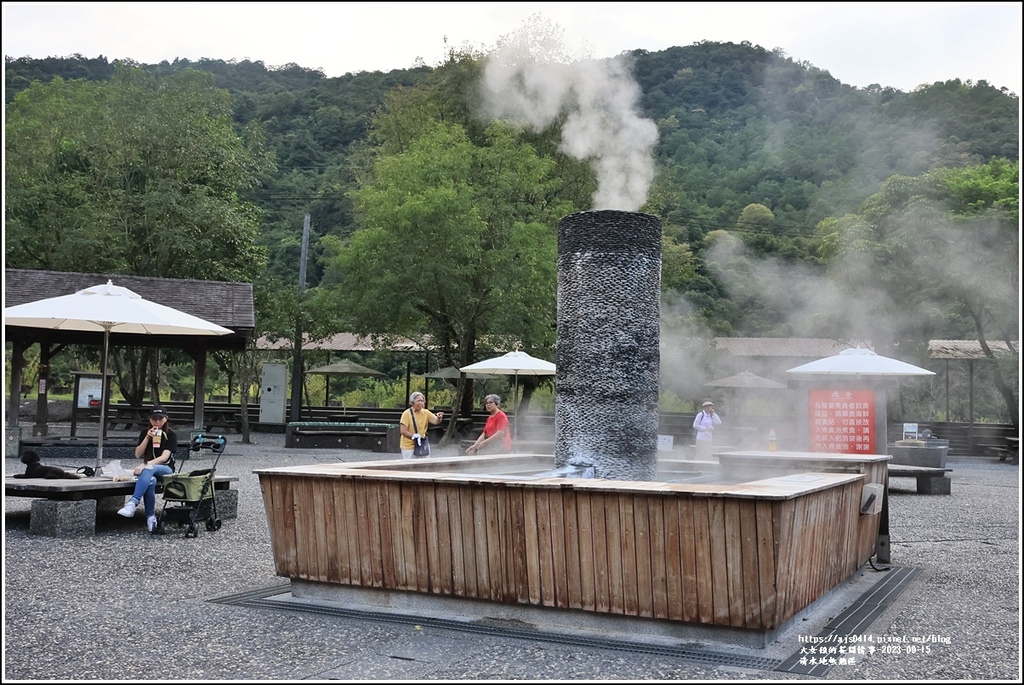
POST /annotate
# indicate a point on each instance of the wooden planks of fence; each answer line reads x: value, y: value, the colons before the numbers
x: 743, y: 556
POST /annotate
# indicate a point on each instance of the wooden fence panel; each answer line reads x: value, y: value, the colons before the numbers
x: 680, y: 556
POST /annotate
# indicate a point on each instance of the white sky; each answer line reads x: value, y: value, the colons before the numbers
x: 896, y: 44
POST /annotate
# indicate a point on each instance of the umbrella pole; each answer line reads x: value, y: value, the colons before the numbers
x: 515, y: 406
x: 103, y: 401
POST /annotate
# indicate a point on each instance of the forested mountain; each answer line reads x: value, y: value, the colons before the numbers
x: 738, y: 126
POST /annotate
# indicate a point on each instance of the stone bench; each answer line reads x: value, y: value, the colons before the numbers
x: 930, y: 453
x: 377, y: 437
x: 68, y: 508
x: 930, y: 480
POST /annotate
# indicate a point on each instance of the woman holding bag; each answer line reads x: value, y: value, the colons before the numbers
x: 413, y: 426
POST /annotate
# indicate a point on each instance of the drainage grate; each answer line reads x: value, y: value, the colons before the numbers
x: 845, y: 629
x: 259, y: 599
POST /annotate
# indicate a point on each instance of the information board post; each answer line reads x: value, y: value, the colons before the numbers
x: 88, y: 393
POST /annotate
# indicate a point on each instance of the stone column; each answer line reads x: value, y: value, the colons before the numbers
x: 607, y: 356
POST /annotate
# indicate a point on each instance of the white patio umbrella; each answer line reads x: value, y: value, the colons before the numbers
x: 746, y: 380
x: 858, y: 361
x: 514, y: 363
x: 107, y: 309
x: 344, y: 368
x: 449, y: 373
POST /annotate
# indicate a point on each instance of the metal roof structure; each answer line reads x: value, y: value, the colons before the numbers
x: 784, y: 347
x: 339, y: 342
x: 969, y: 349
x: 224, y: 303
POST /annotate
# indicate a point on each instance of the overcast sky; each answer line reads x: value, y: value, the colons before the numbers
x: 896, y: 44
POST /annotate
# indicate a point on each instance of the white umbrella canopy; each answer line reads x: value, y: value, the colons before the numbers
x: 858, y: 361
x: 451, y: 373
x: 515, y: 364
x: 344, y: 368
x: 108, y: 309
x: 746, y: 379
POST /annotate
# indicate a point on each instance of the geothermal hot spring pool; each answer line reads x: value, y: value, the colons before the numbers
x: 746, y: 543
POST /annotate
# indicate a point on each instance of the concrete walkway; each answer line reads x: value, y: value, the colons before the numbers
x: 126, y: 605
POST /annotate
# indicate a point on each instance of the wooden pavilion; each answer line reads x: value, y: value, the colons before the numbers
x: 224, y: 303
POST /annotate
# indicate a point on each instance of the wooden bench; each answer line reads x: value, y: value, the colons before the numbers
x: 215, y: 420
x: 68, y: 508
x: 84, y: 488
x: 930, y: 480
x: 1012, y: 449
x: 131, y: 418
x: 1007, y: 448
x: 378, y: 437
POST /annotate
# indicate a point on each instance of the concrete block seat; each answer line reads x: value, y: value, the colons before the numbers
x: 928, y: 453
x: 68, y: 508
x: 930, y: 481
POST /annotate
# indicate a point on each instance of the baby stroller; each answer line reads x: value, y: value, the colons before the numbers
x: 188, y: 497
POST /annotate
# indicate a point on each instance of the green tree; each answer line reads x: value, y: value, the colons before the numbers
x: 137, y: 175
x: 134, y: 175
x: 938, y: 256
x: 456, y: 240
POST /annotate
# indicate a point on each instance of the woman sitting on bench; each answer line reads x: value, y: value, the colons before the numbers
x: 156, y: 448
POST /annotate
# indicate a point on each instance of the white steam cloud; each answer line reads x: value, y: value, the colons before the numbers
x: 597, y: 99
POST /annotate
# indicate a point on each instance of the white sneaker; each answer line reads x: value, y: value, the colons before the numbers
x: 151, y: 523
x: 128, y: 510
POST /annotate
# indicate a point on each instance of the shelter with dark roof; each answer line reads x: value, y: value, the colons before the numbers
x: 224, y: 303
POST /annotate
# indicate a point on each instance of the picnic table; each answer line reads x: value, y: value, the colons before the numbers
x: 68, y: 507
x: 131, y: 418
x: 215, y: 419
x: 930, y: 480
x: 1012, y: 449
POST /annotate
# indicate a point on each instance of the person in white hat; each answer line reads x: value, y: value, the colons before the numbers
x: 704, y: 423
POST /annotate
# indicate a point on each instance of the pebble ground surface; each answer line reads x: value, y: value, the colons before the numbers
x: 126, y: 605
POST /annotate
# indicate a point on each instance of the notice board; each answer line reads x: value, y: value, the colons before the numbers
x: 842, y: 421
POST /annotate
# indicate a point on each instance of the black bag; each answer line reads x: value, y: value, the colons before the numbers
x: 421, y: 447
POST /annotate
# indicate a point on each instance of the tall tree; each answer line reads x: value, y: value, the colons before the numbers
x: 937, y: 255
x: 456, y: 232
x: 455, y: 241
x: 137, y: 175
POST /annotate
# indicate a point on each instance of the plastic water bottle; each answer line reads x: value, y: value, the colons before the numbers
x: 773, y: 445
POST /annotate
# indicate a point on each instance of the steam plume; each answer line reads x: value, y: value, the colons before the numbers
x: 597, y: 99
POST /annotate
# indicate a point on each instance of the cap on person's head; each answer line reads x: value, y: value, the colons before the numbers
x: 707, y: 403
x: 157, y: 412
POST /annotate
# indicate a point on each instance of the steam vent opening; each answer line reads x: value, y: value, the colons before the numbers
x: 607, y: 357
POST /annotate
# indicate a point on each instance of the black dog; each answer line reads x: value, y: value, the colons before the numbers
x: 33, y: 469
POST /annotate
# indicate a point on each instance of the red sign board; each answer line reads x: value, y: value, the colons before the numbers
x: 842, y: 421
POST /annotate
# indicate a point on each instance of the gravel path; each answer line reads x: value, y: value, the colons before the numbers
x: 126, y: 605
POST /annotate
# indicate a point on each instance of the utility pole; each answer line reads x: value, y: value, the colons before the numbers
x: 296, y: 406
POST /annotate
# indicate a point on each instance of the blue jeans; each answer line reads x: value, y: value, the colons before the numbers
x: 145, y: 487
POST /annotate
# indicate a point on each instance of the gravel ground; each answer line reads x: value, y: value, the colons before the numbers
x: 127, y: 605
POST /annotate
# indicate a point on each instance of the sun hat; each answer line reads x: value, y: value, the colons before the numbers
x: 707, y: 403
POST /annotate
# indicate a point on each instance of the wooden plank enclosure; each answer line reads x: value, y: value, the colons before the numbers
x: 750, y: 555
